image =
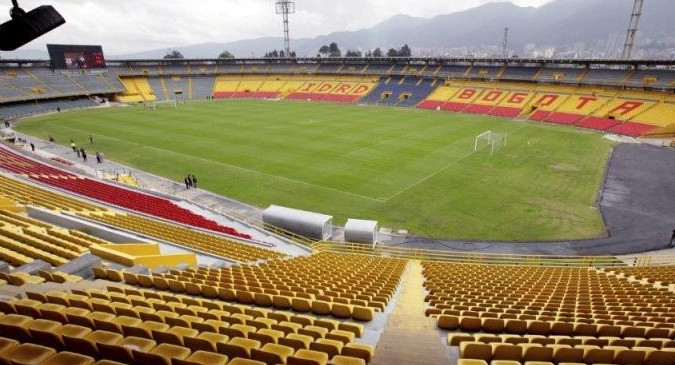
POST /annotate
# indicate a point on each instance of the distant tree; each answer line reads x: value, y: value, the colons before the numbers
x: 405, y: 51
x: 324, y: 50
x: 392, y: 53
x: 368, y: 54
x: 377, y: 52
x: 173, y: 54
x: 226, y: 54
x: 351, y: 53
x: 335, y: 50
x: 293, y: 55
x: 282, y: 54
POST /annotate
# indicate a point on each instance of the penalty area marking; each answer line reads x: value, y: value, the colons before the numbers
x: 439, y: 170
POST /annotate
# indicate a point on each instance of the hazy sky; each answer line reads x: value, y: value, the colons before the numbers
x: 124, y: 26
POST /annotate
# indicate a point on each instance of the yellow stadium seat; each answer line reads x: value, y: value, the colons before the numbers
x: 272, y: 354
x: 69, y: 358
x: 122, y: 351
x: 202, y: 357
x: 161, y: 355
x: 308, y: 357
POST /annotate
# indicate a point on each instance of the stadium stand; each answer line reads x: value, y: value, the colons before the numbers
x: 23, y: 240
x: 519, y: 73
x: 559, y: 315
x: 202, y: 87
x: 605, y: 105
x: 138, y: 90
x: 560, y: 75
x: 403, y: 91
x: 26, y: 194
x: 344, y: 286
x: 663, y: 275
x: 485, y: 72
x: 136, y: 326
x: 112, y: 194
x: 651, y: 78
x: 605, y: 77
x: 19, y: 109
x: 194, y: 240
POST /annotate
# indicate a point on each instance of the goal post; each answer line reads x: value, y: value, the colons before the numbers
x: 155, y: 104
x: 482, y: 141
x: 491, y: 141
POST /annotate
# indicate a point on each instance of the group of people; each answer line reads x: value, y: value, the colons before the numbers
x: 190, y: 182
x: 82, y: 153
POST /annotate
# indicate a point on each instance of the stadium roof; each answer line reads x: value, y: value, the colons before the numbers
x: 429, y: 60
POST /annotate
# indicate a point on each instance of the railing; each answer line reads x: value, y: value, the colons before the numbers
x: 493, y: 259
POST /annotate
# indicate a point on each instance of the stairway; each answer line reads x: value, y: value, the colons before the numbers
x: 410, y: 338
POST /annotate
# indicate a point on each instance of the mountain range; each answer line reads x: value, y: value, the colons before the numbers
x: 556, y: 24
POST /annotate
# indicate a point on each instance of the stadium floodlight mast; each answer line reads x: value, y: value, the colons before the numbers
x: 286, y: 7
x: 632, y: 29
x: 505, y: 43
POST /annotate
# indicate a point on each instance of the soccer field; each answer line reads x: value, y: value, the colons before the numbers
x: 409, y: 169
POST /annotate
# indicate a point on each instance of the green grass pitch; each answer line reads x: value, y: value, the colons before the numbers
x: 409, y: 169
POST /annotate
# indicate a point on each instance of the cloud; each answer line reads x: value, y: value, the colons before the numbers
x: 124, y: 26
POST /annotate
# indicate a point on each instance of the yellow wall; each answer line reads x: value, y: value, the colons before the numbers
x: 141, y: 254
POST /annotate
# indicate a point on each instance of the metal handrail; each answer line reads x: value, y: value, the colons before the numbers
x: 495, y: 259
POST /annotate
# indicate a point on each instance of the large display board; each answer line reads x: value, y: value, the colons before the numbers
x: 76, y: 57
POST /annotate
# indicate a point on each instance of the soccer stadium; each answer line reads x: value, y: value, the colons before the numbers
x: 321, y: 209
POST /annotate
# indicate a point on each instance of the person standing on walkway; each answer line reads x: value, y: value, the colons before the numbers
x: 78, y: 152
x: 187, y: 184
x: 672, y: 240
x: 194, y: 181
x: 189, y: 179
x: 51, y: 139
x: 102, y: 157
x: 32, y: 146
x: 98, y: 157
x: 72, y: 145
x: 84, y: 155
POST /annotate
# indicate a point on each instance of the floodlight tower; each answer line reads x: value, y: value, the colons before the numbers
x: 286, y: 7
x: 632, y: 29
x: 505, y: 43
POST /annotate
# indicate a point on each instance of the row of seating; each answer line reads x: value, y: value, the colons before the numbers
x: 664, y: 275
x: 145, y: 304
x: 27, y: 194
x: 545, y: 327
x: 579, y: 292
x: 24, y: 239
x: 106, y: 335
x: 565, y: 354
x: 624, y: 112
x: 112, y: 194
x: 342, y: 285
x: 456, y: 338
x: 146, y: 352
x: 192, y: 239
x: 347, y: 89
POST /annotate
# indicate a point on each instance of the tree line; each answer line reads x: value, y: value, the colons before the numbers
x: 329, y: 50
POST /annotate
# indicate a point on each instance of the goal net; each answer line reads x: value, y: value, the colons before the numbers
x: 156, y: 104
x: 490, y: 141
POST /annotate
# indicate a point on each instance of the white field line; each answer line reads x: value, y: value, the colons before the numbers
x: 439, y: 170
x: 238, y: 167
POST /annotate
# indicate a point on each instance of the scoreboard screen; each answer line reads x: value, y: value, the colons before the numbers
x: 76, y: 57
